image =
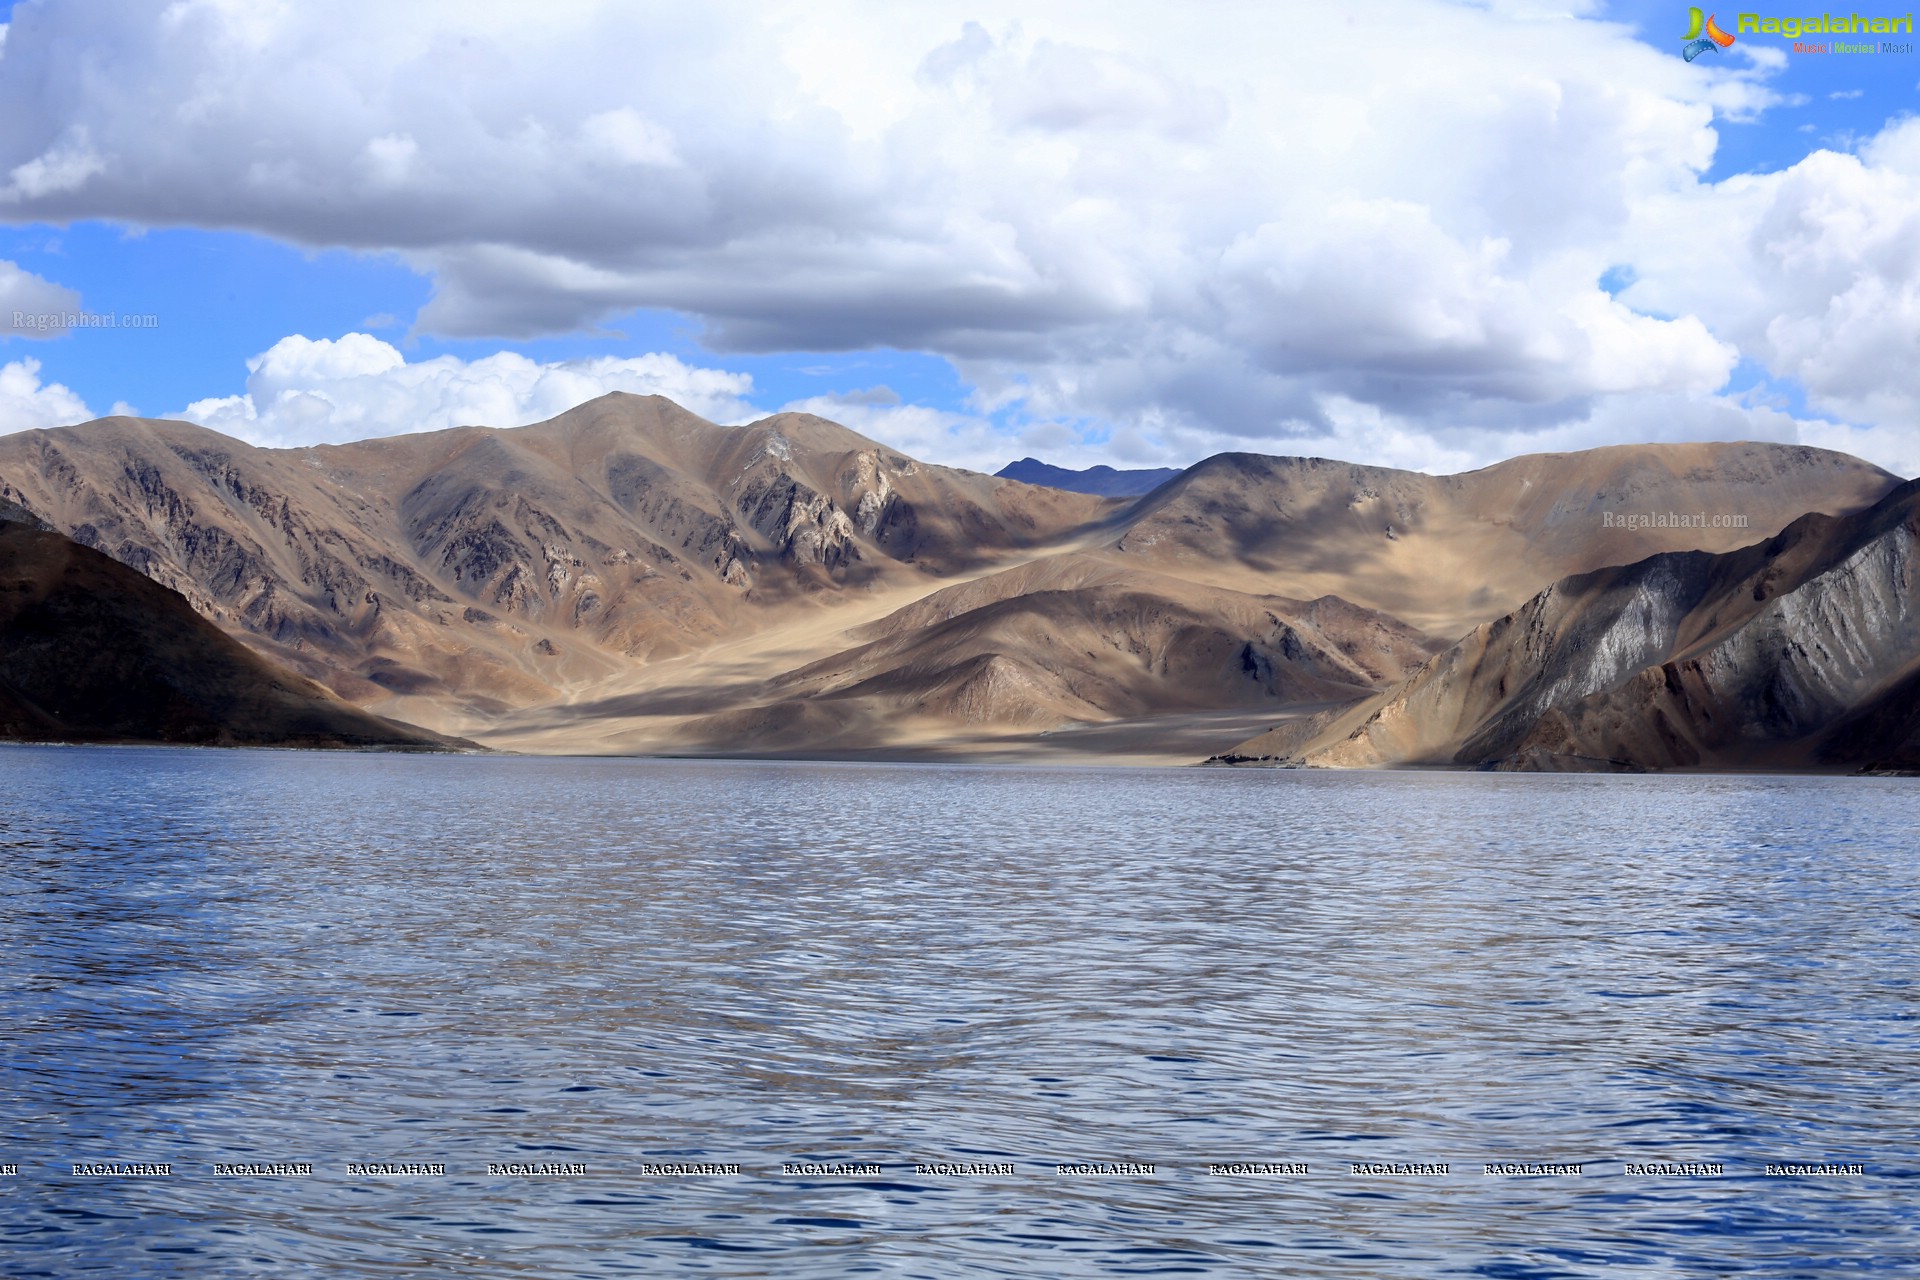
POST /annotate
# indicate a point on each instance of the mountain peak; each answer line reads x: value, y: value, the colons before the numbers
x: 628, y: 567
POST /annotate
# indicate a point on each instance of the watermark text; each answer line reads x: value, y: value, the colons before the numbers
x: 1670, y: 520
x: 57, y: 321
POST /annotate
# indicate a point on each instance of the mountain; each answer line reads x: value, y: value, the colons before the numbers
x: 1102, y: 481
x: 91, y: 651
x: 1801, y: 651
x: 450, y: 576
x: 630, y: 577
x: 1446, y: 553
x: 1068, y: 640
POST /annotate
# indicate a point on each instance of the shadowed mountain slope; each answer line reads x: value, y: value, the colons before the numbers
x: 1802, y: 651
x: 91, y: 651
x: 629, y: 576
x: 1072, y: 640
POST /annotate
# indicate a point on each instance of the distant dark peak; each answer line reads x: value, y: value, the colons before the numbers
x: 1101, y: 481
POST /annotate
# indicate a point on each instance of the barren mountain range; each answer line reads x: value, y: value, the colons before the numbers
x: 1799, y: 652
x: 630, y: 577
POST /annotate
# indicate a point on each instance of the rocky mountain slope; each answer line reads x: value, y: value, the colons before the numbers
x: 91, y: 651
x: 1446, y: 553
x: 631, y: 577
x: 1802, y: 651
x: 464, y: 572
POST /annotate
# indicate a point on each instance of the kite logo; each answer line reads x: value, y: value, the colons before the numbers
x: 1697, y: 43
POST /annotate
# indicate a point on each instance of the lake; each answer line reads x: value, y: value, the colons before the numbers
x: 607, y: 1017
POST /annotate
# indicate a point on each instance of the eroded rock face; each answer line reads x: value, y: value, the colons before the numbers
x: 658, y: 498
x: 485, y: 568
x: 1774, y: 688
x: 800, y: 525
x: 1767, y: 657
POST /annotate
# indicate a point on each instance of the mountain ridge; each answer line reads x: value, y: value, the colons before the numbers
x: 1100, y: 480
x: 628, y: 576
x: 1799, y: 651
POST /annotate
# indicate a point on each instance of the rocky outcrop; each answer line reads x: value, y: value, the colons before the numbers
x: 1797, y: 652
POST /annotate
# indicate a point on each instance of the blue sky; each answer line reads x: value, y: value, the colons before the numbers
x: 980, y: 281
x: 222, y: 296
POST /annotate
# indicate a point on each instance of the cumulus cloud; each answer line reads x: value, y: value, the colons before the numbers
x: 1250, y: 226
x: 27, y: 403
x: 1813, y: 271
x: 936, y: 435
x: 63, y: 168
x: 313, y: 391
x: 31, y: 307
x: 1290, y: 228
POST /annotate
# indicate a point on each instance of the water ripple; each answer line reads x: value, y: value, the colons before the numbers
x: 268, y: 957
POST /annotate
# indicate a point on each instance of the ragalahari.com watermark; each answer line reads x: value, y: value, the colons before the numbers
x: 1670, y: 520
x: 55, y: 321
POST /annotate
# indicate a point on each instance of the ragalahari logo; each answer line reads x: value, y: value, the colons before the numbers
x: 1697, y: 43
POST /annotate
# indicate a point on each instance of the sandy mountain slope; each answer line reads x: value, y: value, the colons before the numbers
x: 629, y: 576
x: 1071, y: 640
x: 455, y: 574
x: 1445, y: 553
x: 1802, y: 651
x: 91, y: 651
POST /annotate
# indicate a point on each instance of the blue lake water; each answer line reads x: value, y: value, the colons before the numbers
x: 830, y: 975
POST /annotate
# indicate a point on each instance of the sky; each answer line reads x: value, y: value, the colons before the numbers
x: 1407, y: 232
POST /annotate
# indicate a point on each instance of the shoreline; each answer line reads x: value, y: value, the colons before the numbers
x: 934, y: 755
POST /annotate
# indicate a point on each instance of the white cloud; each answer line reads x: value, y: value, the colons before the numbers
x: 389, y: 160
x: 1049, y: 190
x: 27, y: 403
x: 32, y: 307
x: 63, y: 169
x: 1281, y: 227
x: 1813, y: 271
x: 623, y: 136
x: 315, y: 391
x: 932, y: 435
x: 1359, y: 432
x: 1895, y: 449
